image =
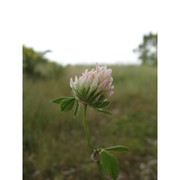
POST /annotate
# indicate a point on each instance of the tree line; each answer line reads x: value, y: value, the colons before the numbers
x: 35, y: 64
x: 147, y: 49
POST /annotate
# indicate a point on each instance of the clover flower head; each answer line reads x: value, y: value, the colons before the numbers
x: 93, y: 87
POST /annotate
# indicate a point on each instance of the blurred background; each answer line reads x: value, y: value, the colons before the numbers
x: 61, y: 40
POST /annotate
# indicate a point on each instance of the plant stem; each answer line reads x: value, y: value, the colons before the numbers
x: 88, y: 137
x: 86, y: 130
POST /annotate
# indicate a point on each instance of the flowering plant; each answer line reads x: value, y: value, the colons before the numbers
x: 93, y: 89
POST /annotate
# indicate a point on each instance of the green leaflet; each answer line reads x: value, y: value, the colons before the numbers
x: 117, y: 148
x: 58, y: 100
x: 67, y: 104
x: 109, y: 164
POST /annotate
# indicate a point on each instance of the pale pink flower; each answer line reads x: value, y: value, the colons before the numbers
x: 93, y: 87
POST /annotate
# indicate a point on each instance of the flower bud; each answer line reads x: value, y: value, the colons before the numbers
x: 95, y: 155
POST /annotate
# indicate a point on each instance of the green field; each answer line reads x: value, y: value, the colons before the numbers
x: 54, y: 144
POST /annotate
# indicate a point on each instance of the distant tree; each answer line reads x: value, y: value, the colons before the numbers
x: 35, y: 64
x: 30, y: 60
x: 147, y: 50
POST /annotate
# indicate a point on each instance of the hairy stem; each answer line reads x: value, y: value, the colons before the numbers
x: 86, y: 130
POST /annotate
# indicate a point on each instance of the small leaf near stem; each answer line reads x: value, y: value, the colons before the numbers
x: 109, y: 164
x: 60, y: 99
x: 67, y: 104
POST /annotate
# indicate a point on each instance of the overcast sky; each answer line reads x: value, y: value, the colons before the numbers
x: 88, y: 31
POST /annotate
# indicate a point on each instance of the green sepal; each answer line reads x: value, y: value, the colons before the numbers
x: 67, y: 104
x: 91, y: 94
x: 104, y: 104
x: 60, y: 99
x: 92, y: 98
x: 103, y: 111
x: 117, y: 148
x: 109, y: 164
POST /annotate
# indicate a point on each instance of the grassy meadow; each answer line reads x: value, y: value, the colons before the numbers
x: 54, y: 144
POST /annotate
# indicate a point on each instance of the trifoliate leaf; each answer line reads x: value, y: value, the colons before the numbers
x: 109, y: 164
x: 67, y: 104
x: 117, y: 148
